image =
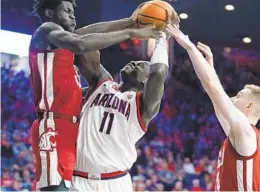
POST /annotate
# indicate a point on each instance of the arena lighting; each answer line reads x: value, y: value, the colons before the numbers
x: 247, y: 40
x: 184, y: 16
x: 229, y: 7
x: 14, y: 43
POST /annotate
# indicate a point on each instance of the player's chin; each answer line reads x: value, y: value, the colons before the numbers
x: 71, y: 29
x: 126, y: 70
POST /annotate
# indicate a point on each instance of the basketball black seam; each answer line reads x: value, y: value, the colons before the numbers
x: 163, y: 9
x: 151, y: 17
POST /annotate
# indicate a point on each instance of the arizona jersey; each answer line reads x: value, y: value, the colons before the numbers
x: 238, y: 173
x: 55, y: 82
x: 110, y: 126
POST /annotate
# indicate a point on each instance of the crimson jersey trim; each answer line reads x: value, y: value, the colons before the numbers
x: 138, y: 107
x: 97, y: 86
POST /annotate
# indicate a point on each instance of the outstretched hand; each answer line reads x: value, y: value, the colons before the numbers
x: 182, y: 39
x: 207, y: 52
x: 144, y: 33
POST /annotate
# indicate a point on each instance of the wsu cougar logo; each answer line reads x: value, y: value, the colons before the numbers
x: 47, y: 140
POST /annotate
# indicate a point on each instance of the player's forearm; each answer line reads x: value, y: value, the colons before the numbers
x: 203, y: 70
x: 97, y: 41
x: 212, y: 85
x: 154, y: 88
x: 103, y: 27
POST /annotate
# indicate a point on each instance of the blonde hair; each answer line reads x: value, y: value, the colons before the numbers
x: 256, y: 93
x: 254, y: 88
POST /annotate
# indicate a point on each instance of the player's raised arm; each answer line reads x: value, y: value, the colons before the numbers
x: 109, y: 26
x: 90, y: 42
x: 104, y: 27
x: 235, y: 123
x: 154, y: 87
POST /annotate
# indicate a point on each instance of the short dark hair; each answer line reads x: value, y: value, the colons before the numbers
x: 41, y: 5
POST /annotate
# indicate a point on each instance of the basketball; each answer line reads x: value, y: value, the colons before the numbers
x: 155, y: 12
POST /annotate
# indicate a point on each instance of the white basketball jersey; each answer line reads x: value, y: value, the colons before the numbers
x: 110, y: 126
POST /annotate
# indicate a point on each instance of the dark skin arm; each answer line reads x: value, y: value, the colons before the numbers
x: 153, y: 92
x: 91, y: 68
x: 51, y: 33
x: 103, y: 27
x: 110, y: 26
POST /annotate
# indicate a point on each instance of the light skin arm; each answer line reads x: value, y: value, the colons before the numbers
x: 90, y: 42
x: 154, y: 87
x: 241, y: 134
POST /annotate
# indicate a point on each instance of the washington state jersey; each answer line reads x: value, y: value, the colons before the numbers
x: 110, y: 126
x: 55, y: 82
x: 56, y: 89
x: 238, y: 173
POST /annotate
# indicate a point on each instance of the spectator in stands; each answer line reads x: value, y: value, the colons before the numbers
x: 188, y: 167
x: 196, y: 185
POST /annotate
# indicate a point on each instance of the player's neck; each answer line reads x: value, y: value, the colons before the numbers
x: 127, y: 87
x: 253, y: 120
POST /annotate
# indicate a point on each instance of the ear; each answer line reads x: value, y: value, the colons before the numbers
x: 249, y: 105
x: 48, y: 13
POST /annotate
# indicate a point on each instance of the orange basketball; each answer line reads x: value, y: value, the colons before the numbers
x: 155, y: 12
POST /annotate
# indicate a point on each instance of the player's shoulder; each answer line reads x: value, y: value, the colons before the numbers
x: 130, y: 96
x: 39, y: 38
x: 109, y: 83
x: 49, y: 26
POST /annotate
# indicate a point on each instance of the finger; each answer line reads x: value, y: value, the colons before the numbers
x: 208, y: 54
x: 151, y: 26
x: 208, y: 51
x: 175, y: 29
x: 172, y: 33
x: 205, y: 46
x: 203, y: 50
x: 170, y: 27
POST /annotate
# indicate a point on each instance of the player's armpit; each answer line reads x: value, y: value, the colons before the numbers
x: 224, y: 124
x: 153, y: 92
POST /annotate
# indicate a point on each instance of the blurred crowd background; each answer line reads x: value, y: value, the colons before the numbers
x: 179, y: 151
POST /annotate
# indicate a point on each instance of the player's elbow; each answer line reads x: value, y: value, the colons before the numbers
x: 79, y: 46
x: 151, y: 112
x: 161, y: 73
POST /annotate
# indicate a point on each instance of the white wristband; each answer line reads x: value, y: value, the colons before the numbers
x: 160, y: 54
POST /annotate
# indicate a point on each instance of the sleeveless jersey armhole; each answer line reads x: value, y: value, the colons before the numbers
x: 90, y: 92
x: 139, y: 116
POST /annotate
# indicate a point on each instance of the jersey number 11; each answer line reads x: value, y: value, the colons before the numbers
x: 110, y: 123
